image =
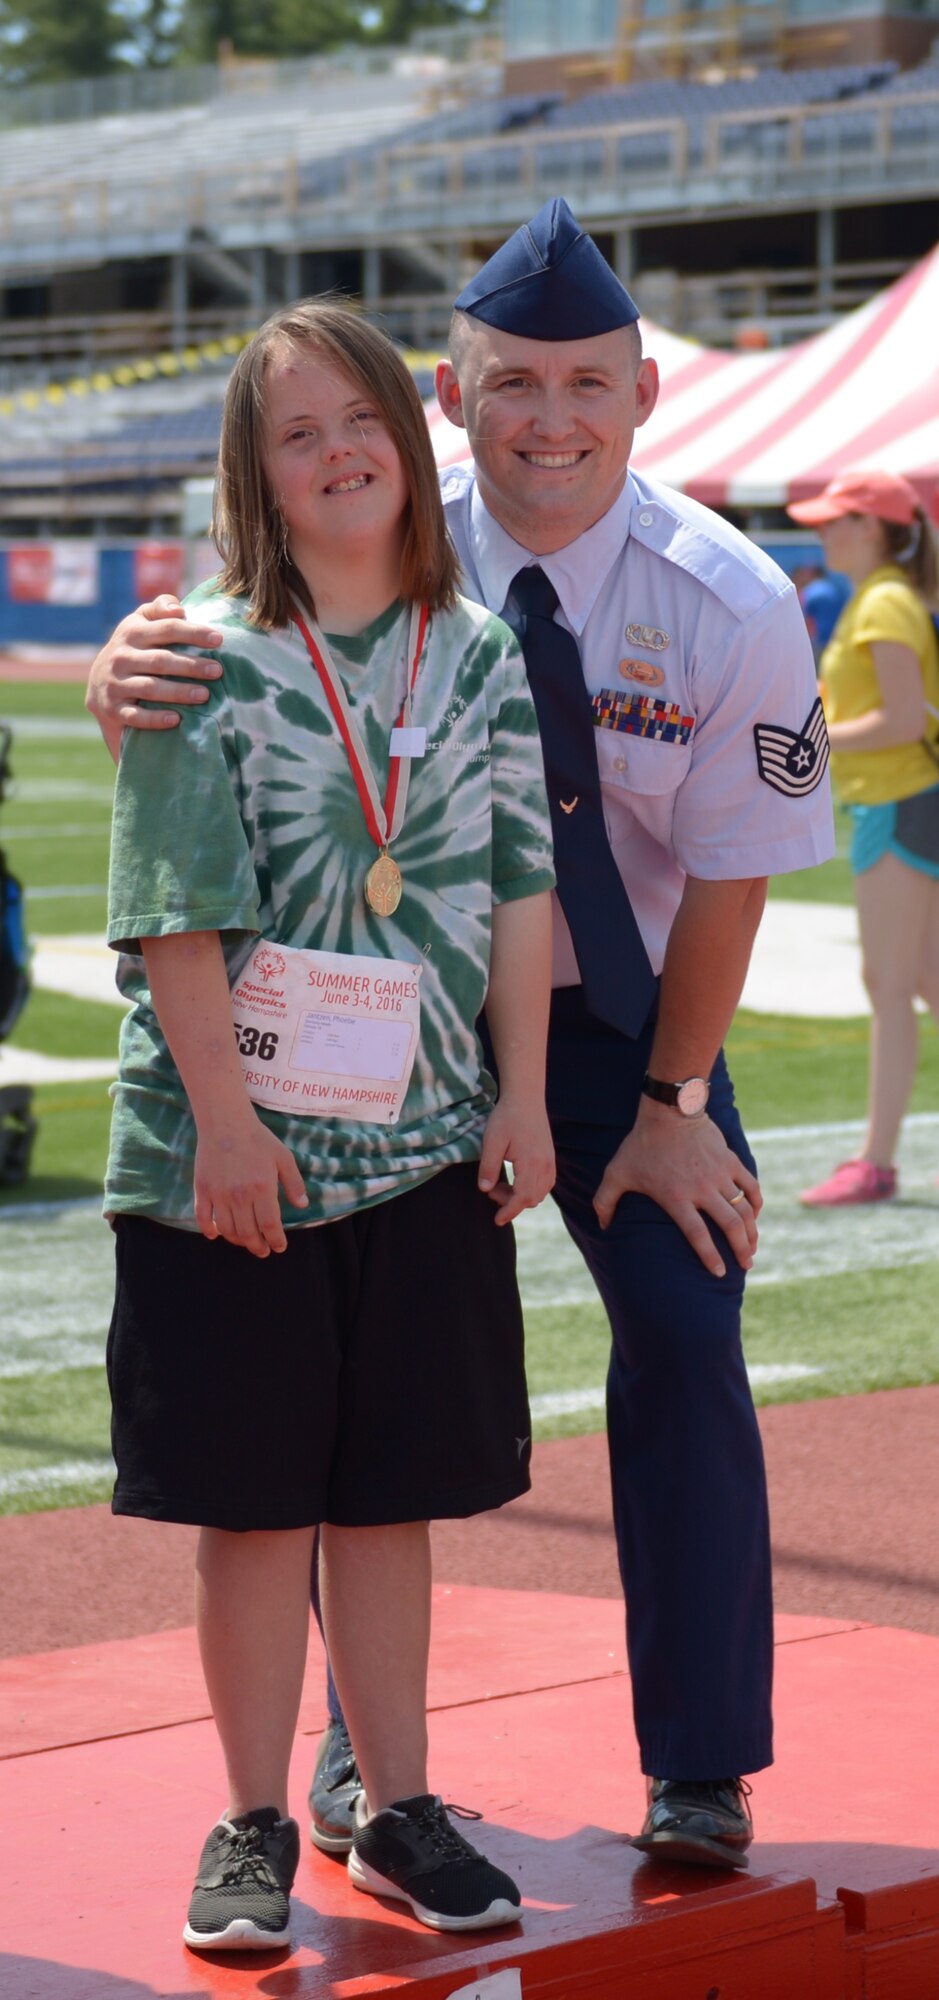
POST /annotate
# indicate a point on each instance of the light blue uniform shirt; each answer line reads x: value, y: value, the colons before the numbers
x: 673, y: 608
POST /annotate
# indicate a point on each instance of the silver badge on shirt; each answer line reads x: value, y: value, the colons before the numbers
x: 654, y: 640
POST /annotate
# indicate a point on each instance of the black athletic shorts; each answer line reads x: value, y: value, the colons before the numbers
x: 373, y: 1372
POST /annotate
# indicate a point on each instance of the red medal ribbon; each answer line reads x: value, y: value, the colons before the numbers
x: 354, y: 752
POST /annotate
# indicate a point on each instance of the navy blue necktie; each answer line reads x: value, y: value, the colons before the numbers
x: 618, y: 981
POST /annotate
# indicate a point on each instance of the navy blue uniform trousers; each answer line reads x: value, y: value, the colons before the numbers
x: 686, y: 1462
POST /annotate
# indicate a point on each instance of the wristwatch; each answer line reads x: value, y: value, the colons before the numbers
x: 689, y: 1097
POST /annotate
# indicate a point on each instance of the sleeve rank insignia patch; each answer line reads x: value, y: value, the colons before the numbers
x: 793, y: 762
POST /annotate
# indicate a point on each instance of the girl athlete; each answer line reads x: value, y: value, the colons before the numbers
x: 880, y: 688
x: 322, y: 875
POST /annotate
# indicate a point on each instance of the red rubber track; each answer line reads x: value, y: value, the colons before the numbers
x: 12, y: 669
x: 854, y: 1492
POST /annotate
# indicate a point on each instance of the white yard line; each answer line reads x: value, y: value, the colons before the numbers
x: 561, y: 1403
x: 57, y: 1258
x: 57, y: 892
x: 571, y: 1402
x: 80, y: 964
x: 29, y: 1066
x: 59, y: 791
x: 71, y: 1472
x: 49, y: 728
x: 806, y: 962
x: 794, y: 1242
x: 62, y: 830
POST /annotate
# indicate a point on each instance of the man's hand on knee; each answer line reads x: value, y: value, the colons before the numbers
x: 687, y: 1167
x: 135, y: 666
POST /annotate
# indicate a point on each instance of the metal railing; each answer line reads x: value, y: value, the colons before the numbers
x: 629, y: 170
x: 761, y: 307
x: 720, y: 311
x: 133, y: 90
x: 79, y: 344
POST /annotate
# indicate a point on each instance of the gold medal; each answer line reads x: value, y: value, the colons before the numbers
x: 383, y: 885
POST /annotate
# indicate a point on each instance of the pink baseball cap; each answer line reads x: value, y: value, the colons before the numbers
x: 884, y: 494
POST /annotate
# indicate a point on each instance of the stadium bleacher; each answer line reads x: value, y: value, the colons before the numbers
x: 671, y: 98
x: 114, y: 450
x: 411, y: 168
x: 280, y: 160
x: 231, y: 131
x: 487, y: 119
x: 243, y: 139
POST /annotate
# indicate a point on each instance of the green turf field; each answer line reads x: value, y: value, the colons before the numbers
x: 54, y: 822
x: 838, y: 1304
x: 67, y: 850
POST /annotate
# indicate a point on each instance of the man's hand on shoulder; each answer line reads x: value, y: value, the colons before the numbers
x: 135, y: 666
x: 686, y: 1165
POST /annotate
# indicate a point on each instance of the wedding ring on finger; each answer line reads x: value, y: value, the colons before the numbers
x: 739, y: 1196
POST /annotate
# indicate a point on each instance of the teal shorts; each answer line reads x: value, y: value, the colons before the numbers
x: 908, y: 828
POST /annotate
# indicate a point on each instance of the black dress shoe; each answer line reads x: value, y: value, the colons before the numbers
x: 705, y: 1822
x: 333, y: 1793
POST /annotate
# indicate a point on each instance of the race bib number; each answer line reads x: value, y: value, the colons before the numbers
x: 327, y: 1035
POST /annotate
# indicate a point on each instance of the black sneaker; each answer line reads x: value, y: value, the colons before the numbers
x: 241, y: 1901
x: 333, y: 1793
x: 411, y: 1852
x: 705, y: 1822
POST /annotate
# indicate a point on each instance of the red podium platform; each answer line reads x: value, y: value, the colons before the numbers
x: 112, y: 1777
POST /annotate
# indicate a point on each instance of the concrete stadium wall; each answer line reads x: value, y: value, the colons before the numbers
x: 73, y: 593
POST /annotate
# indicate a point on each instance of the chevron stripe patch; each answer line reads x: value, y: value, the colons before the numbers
x: 793, y: 763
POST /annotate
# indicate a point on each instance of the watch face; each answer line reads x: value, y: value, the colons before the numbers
x: 693, y: 1096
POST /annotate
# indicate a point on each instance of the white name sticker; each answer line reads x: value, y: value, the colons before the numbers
x: 326, y: 1034
x: 352, y: 1045
x: 409, y: 742
x: 505, y: 1985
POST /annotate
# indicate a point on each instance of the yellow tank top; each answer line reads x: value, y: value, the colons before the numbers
x: 884, y: 608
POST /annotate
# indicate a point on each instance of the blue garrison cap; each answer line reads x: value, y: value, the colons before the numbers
x: 549, y: 282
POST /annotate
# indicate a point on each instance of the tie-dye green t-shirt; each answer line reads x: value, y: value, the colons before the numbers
x: 246, y: 820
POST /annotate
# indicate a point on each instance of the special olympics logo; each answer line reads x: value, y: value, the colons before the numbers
x: 269, y: 964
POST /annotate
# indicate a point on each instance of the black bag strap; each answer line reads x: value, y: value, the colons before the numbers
x: 931, y: 743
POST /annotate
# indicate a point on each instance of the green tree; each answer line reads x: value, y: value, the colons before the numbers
x: 244, y: 26
x: 398, y: 20
x: 49, y: 41
x: 311, y: 27
x: 284, y: 28
x: 154, y: 34
x: 276, y: 28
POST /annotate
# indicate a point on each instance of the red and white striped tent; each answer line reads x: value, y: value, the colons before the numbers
x: 758, y: 430
x: 776, y: 427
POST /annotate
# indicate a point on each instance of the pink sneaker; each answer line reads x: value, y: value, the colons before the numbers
x: 853, y: 1181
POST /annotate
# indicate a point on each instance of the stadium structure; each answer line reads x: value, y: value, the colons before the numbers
x: 754, y: 171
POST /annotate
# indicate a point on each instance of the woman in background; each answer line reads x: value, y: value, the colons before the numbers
x: 880, y: 688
